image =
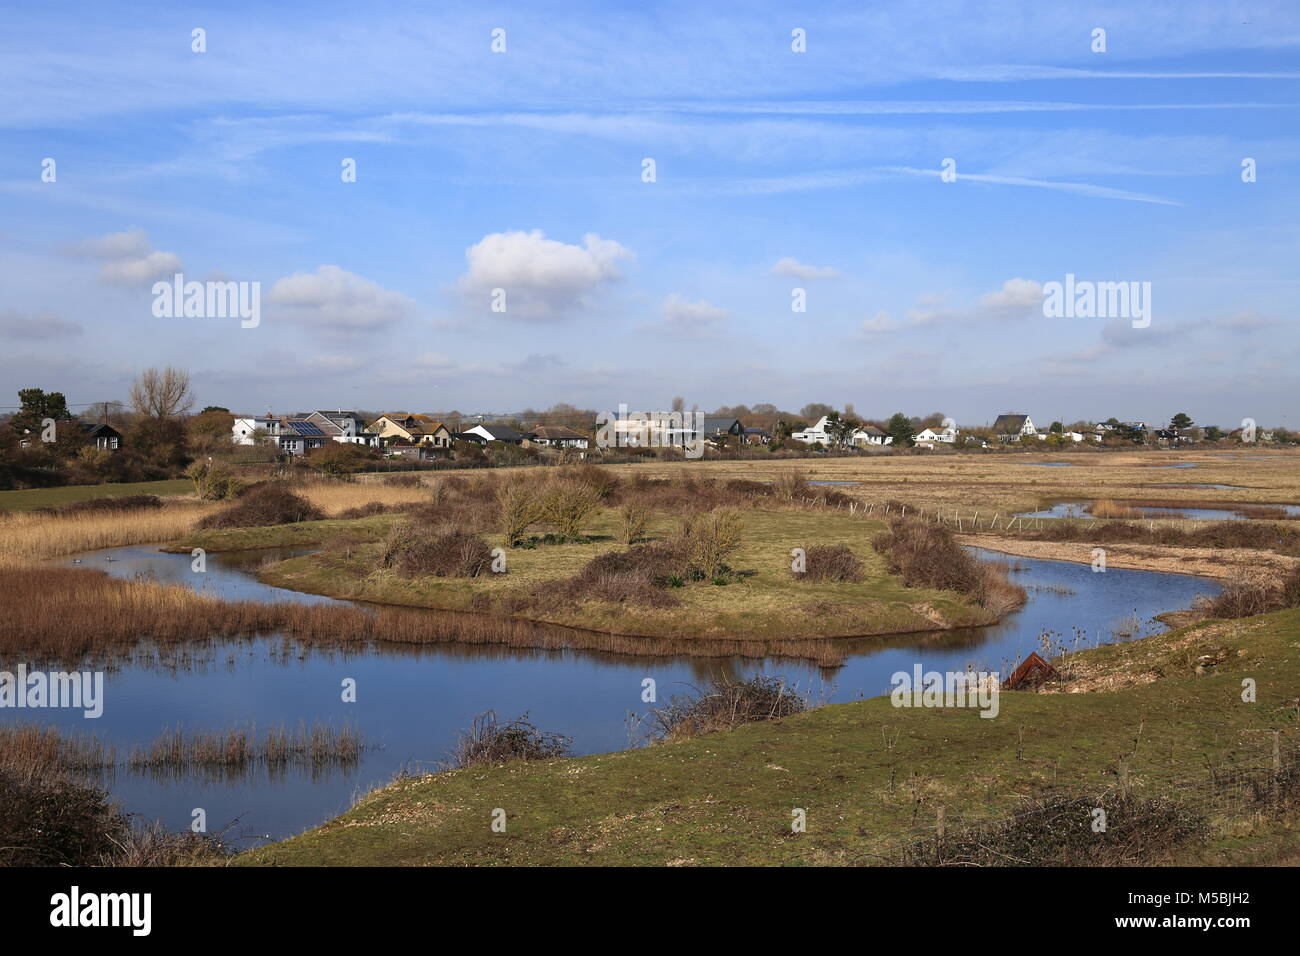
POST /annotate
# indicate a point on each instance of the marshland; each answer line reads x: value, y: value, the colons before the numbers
x: 243, y: 641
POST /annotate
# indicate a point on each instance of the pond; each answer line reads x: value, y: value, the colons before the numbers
x: 411, y: 702
x: 1079, y: 509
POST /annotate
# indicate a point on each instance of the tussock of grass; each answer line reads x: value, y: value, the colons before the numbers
x: 725, y: 704
x: 491, y: 741
x: 261, y: 505
x: 830, y: 562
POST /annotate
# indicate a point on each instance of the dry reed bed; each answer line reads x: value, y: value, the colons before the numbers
x: 27, y: 537
x: 68, y: 615
x: 32, y: 748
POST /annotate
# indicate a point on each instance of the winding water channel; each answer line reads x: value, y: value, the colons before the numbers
x: 411, y: 702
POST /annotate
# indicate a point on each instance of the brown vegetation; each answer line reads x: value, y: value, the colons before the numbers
x: 723, y: 705
x: 492, y: 741
x: 262, y: 505
x: 414, y: 548
x: 926, y: 555
x: 830, y: 562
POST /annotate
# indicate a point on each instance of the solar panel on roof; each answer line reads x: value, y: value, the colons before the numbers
x: 306, y: 428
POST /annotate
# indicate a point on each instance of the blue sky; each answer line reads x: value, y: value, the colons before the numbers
x: 775, y: 170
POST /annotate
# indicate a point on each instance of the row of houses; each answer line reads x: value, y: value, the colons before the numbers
x: 400, y: 432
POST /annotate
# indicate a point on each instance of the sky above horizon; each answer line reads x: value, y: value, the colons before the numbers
x: 775, y: 170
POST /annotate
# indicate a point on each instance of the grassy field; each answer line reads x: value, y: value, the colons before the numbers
x: 862, y: 771
x: 1016, y: 482
x: 762, y: 602
x: 53, y: 497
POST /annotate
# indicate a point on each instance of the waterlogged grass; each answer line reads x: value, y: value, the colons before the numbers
x: 760, y: 601
x: 863, y: 772
x: 53, y: 497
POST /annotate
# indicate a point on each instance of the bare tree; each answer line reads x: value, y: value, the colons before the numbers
x: 162, y: 393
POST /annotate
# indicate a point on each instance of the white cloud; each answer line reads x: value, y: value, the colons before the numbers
x: 878, y: 323
x: 335, y: 300
x: 142, y: 271
x: 541, y: 277
x: 692, y: 318
x: 789, y: 266
x: 130, y: 259
x: 1015, y: 295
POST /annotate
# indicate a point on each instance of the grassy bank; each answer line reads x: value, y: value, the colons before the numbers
x: 1167, y: 708
x: 54, y: 497
x: 761, y: 602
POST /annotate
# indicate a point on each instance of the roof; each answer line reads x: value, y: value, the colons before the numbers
x: 305, y: 429
x: 1011, y: 421
x: 95, y: 429
x: 500, y: 432
x: 415, y: 424
x: 871, y: 430
x: 712, y: 425
x: 557, y: 433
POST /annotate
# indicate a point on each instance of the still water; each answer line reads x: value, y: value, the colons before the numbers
x: 411, y: 702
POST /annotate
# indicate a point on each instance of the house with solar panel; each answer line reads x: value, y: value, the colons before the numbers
x: 292, y: 436
x: 406, y: 429
x: 348, y: 428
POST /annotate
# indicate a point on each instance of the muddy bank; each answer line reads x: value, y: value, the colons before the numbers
x: 1223, y: 564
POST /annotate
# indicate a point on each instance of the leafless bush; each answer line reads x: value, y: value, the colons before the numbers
x: 927, y: 555
x: 708, y: 540
x: 520, y: 508
x: 489, y: 740
x: 268, y: 504
x: 1246, y: 598
x: 1057, y: 830
x: 568, y: 504
x: 723, y: 705
x: 633, y: 519
x: 414, y: 549
x: 830, y: 562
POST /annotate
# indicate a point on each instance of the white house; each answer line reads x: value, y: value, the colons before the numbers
x: 871, y: 435
x: 944, y: 433
x: 1014, y: 426
x: 291, y: 436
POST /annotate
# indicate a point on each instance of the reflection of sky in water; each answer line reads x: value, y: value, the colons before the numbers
x: 412, y: 702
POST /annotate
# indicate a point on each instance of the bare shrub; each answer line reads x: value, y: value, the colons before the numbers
x: 403, y: 481
x: 520, y: 508
x: 1057, y: 831
x: 791, y: 485
x: 568, y: 504
x: 489, y: 740
x: 413, y: 549
x: 708, y: 540
x: 262, y: 505
x: 830, y: 562
x: 213, y: 482
x: 927, y: 555
x: 48, y: 821
x: 632, y: 522
x: 723, y: 705
x: 1246, y: 598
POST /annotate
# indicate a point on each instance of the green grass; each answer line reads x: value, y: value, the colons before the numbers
x: 53, y: 497
x: 762, y: 602
x: 726, y: 799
